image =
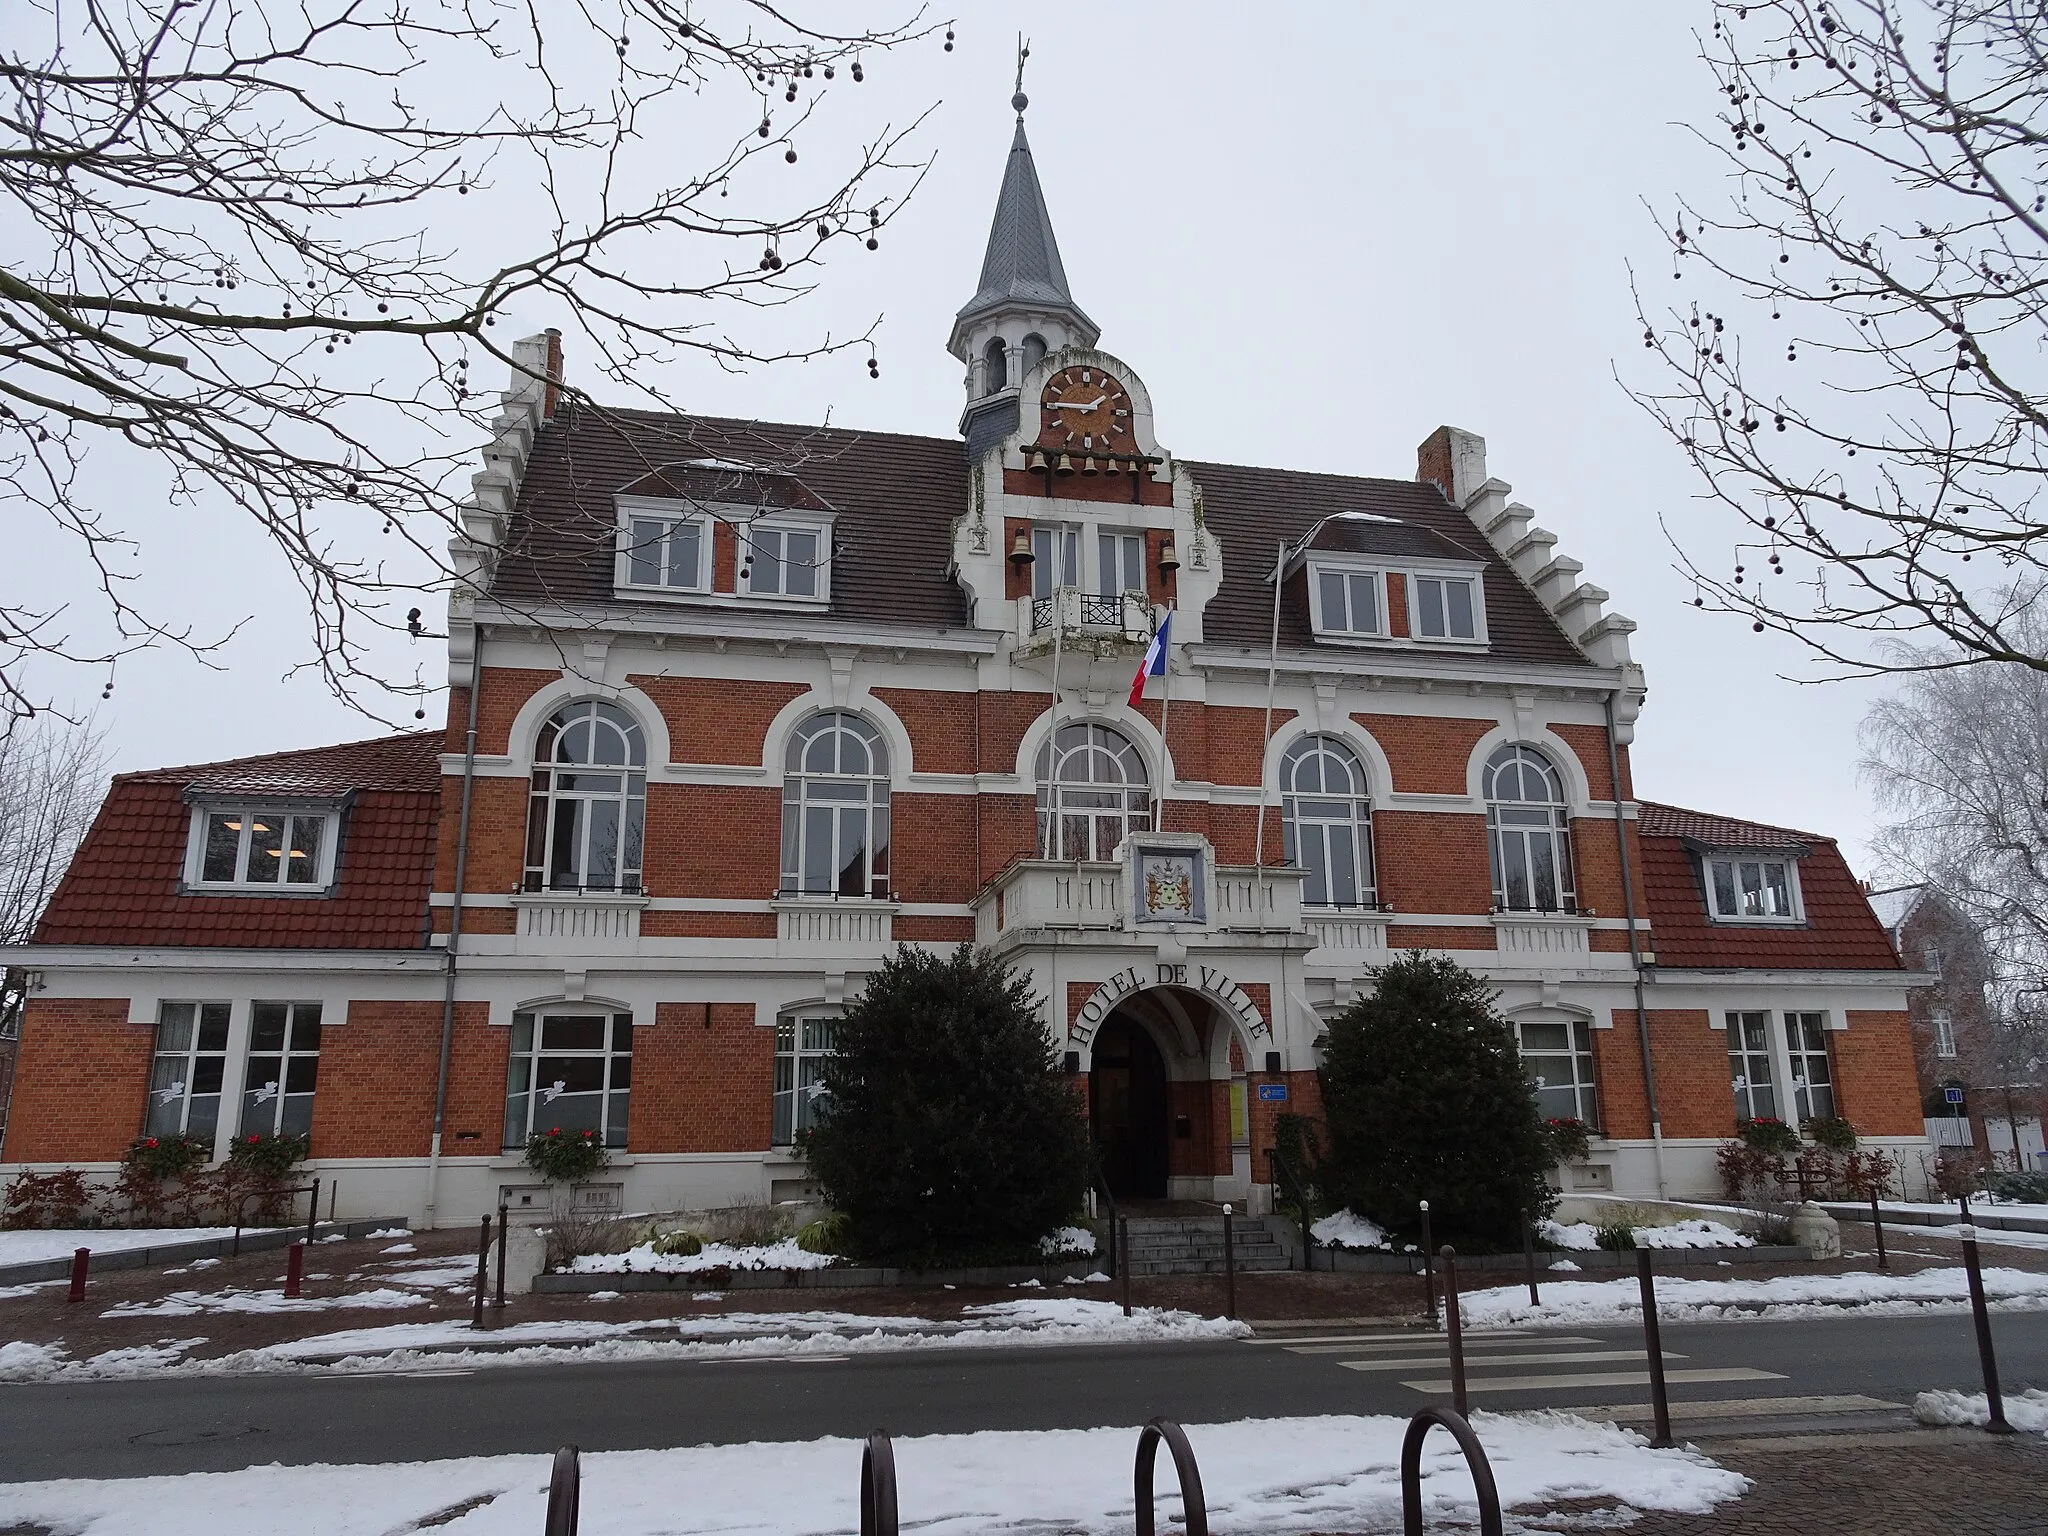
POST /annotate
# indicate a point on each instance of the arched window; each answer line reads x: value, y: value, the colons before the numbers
x: 995, y: 366
x: 589, y: 803
x: 1093, y: 790
x: 1326, y: 822
x: 835, y: 809
x: 1528, y: 833
x: 1034, y: 352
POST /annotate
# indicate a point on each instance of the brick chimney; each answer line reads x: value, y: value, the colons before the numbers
x: 554, y: 389
x: 1454, y: 461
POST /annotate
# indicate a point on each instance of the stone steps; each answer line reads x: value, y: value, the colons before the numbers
x: 1180, y: 1245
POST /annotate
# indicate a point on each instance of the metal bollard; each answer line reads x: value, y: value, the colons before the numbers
x: 1483, y: 1485
x: 81, y: 1262
x: 1994, y: 1399
x: 1229, y: 1268
x: 565, y: 1493
x: 1653, y: 1345
x: 878, y: 1486
x: 1877, y: 1226
x: 1428, y: 1274
x: 1194, y: 1506
x: 483, y: 1260
x: 1453, y: 1325
x: 312, y: 1213
x: 504, y: 1235
x: 295, y: 1269
x: 1529, y: 1255
x: 1123, y: 1261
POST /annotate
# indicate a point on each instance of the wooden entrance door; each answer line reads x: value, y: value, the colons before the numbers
x: 1127, y: 1101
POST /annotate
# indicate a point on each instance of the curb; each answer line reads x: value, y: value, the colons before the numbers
x: 850, y: 1277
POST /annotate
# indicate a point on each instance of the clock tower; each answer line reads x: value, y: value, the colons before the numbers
x: 1022, y: 309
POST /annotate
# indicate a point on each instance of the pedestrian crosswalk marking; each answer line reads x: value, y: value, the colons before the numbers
x: 1418, y: 1337
x: 1596, y: 1379
x: 1562, y: 1357
x: 1354, y: 1348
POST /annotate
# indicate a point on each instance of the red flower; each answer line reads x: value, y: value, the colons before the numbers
x: 151, y: 1142
x: 254, y: 1139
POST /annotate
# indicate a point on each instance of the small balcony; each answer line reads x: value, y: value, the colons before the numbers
x: 1083, y: 623
x: 1550, y: 935
x: 1345, y: 933
x: 826, y: 922
x: 579, y: 915
x: 1042, y: 894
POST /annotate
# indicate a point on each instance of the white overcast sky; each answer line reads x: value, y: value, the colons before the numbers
x: 1318, y: 232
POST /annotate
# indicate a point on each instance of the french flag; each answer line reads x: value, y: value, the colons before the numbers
x: 1154, y: 664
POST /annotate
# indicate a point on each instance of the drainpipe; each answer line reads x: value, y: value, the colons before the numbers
x: 476, y: 680
x: 1635, y: 950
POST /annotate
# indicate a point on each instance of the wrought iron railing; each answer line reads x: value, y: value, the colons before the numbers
x: 1297, y: 1191
x: 1085, y: 609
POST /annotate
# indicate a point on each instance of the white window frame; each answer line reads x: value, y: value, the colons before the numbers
x: 1799, y: 1058
x: 634, y: 510
x: 790, y: 1091
x: 825, y: 804
x: 1321, y: 620
x: 1520, y: 827
x: 1084, y: 810
x: 1735, y: 859
x: 1473, y: 576
x: 1584, y: 1086
x: 754, y: 537
x: 250, y: 813
x: 1944, y: 1033
x: 164, y: 1097
x: 263, y: 1106
x: 1742, y: 1085
x: 533, y: 1120
x: 1305, y: 834
x: 1049, y: 541
x: 1115, y: 583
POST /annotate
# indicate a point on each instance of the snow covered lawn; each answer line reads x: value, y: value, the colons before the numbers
x: 1582, y: 1303
x: 1314, y: 1474
x: 1583, y: 1235
x: 643, y: 1259
x: 39, y: 1247
x: 2023, y: 1410
x: 194, y: 1303
x: 1037, y: 1321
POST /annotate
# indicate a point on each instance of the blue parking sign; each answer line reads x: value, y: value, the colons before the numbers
x: 1272, y: 1093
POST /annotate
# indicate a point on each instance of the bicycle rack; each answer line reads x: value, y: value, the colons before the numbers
x: 878, y: 1486
x: 565, y: 1489
x: 1411, y: 1471
x: 1194, y: 1505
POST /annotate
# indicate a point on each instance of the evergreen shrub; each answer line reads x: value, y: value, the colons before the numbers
x: 1426, y: 1099
x: 947, y: 1132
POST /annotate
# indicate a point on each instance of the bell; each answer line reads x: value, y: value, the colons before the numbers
x: 1064, y: 467
x: 1020, y: 550
x: 1088, y: 466
x: 1169, y: 559
x: 1037, y: 460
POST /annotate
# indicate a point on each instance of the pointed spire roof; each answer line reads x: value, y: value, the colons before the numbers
x: 1022, y: 266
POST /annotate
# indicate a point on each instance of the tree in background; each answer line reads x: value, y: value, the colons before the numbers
x: 947, y: 1130
x: 52, y: 775
x: 254, y: 252
x: 1853, y: 361
x: 1426, y: 1099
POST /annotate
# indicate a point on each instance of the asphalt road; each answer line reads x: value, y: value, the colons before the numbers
x: 193, y: 1424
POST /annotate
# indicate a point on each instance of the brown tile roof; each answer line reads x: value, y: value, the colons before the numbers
x: 1840, y: 932
x: 898, y: 496
x: 123, y: 886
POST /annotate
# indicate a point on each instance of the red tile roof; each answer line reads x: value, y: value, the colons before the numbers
x: 1840, y: 932
x: 123, y: 887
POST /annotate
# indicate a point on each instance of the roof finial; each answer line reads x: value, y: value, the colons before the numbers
x: 1020, y: 101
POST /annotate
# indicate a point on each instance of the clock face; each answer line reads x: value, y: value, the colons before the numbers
x: 1085, y: 409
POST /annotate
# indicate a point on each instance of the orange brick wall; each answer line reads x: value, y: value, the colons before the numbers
x: 1430, y: 862
x: 81, y: 1081
x: 1875, y: 1084
x: 377, y: 1075
x: 1427, y: 755
x: 713, y: 840
x: 717, y: 719
x: 703, y: 1080
x: 940, y: 726
x: 1691, y: 1059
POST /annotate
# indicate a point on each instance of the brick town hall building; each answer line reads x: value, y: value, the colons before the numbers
x: 737, y: 707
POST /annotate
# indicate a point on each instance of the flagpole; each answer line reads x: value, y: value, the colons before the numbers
x: 1266, y: 734
x: 1050, y: 838
x: 1165, y: 700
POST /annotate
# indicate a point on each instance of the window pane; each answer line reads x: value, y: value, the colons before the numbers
x: 684, y: 543
x: 853, y: 852
x: 301, y: 1073
x: 1429, y: 607
x: 1343, y: 867
x: 1365, y: 604
x: 213, y: 1026
x: 262, y: 1085
x: 204, y: 1114
x: 643, y: 555
x: 1752, y: 888
x: 800, y: 574
x: 1724, y: 888
x: 266, y: 848
x: 1044, y: 566
x: 304, y: 867
x: 817, y: 871
x: 1777, y: 891
x: 1458, y: 596
x: 1545, y: 1035
x: 223, y: 843
x: 603, y: 871
x: 573, y: 1032
x: 1335, y: 615
x: 266, y: 1026
x: 565, y: 863
x: 174, y: 1028
x: 1108, y: 549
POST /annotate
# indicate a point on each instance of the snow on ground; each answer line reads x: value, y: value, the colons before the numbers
x: 1349, y: 1230
x: 2003, y: 1206
x: 1067, y: 1240
x: 1310, y: 1474
x: 1038, y: 1321
x: 1583, y: 1236
x: 389, y: 1232
x: 2023, y: 1410
x: 192, y: 1303
x: 1986, y: 1237
x: 782, y: 1255
x: 33, y: 1247
x: 1584, y: 1303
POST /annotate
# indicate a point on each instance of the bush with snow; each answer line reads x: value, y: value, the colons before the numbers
x: 1067, y: 1240
x: 1584, y: 1236
x: 1347, y: 1229
x: 647, y: 1258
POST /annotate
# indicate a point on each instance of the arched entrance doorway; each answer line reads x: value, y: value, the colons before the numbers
x: 1127, y: 1103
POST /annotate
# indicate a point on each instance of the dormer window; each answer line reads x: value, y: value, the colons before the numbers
x: 1751, y: 888
x: 1348, y: 602
x: 671, y: 553
x: 1444, y: 608
x: 261, y: 848
x: 779, y: 560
